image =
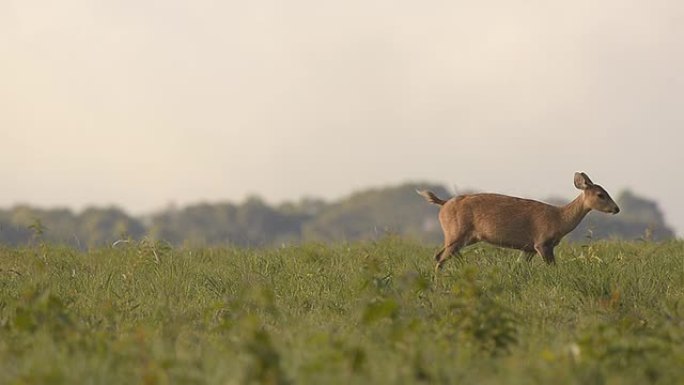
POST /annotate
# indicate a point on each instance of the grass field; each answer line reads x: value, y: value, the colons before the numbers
x: 145, y: 313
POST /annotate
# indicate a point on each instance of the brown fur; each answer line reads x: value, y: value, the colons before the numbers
x: 517, y: 223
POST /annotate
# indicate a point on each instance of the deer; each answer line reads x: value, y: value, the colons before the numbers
x: 523, y: 224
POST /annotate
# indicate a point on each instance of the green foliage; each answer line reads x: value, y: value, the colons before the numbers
x: 264, y: 367
x: 146, y: 312
x: 479, y: 317
x: 380, y: 309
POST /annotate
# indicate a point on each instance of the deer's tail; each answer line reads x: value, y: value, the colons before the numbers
x: 431, y: 197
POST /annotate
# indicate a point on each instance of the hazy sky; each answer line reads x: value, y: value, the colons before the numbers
x: 141, y: 103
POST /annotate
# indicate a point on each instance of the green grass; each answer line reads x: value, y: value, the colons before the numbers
x: 608, y: 313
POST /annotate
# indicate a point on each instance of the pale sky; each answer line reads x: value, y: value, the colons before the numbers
x: 142, y: 103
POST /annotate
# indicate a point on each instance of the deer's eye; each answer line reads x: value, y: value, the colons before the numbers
x: 601, y: 196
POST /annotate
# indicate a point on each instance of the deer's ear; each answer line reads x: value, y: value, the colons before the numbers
x: 582, y: 181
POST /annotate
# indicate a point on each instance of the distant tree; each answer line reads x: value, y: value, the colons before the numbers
x: 198, y: 224
x: 373, y: 213
x: 101, y: 226
x: 12, y: 233
x: 253, y: 223
x: 57, y: 225
x: 93, y: 227
x: 367, y: 214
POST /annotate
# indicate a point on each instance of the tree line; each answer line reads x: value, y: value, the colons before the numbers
x: 364, y: 215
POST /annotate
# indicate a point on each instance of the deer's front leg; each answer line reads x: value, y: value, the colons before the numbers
x: 546, y: 252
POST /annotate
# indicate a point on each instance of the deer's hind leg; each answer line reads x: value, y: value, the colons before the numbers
x: 456, y: 236
x: 451, y: 246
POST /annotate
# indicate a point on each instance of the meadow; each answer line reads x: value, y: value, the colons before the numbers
x: 358, y: 313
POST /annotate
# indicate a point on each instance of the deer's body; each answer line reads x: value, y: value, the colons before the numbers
x: 517, y: 223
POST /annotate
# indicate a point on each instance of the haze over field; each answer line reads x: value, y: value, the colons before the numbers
x: 140, y: 103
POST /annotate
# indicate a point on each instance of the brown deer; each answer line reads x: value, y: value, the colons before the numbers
x: 515, y: 223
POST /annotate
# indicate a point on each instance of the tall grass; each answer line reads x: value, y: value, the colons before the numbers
x: 610, y: 312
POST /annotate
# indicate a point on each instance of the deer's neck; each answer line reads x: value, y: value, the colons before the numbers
x: 572, y: 214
